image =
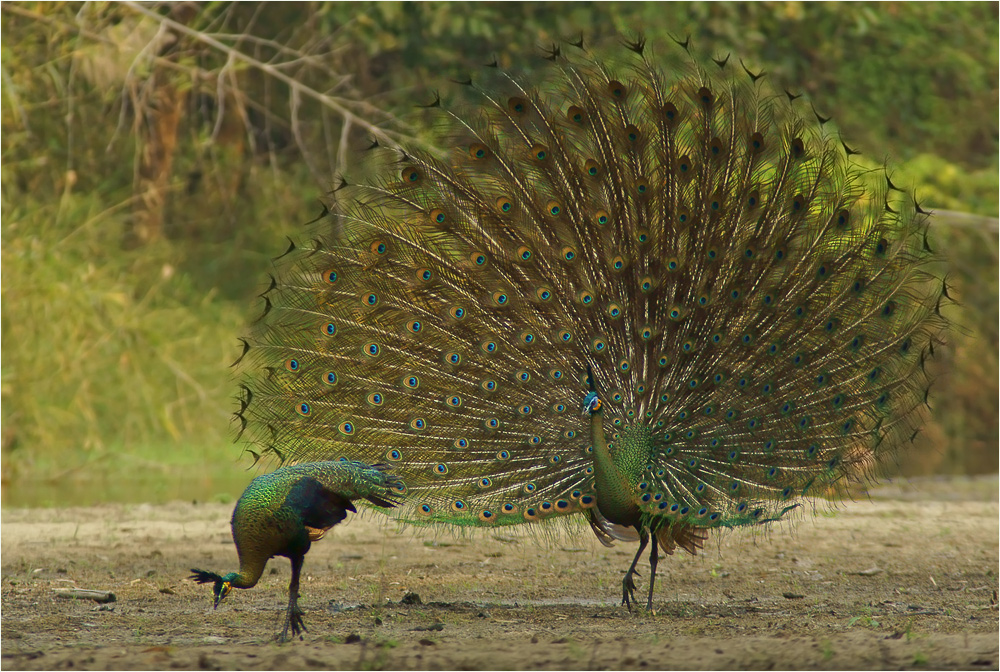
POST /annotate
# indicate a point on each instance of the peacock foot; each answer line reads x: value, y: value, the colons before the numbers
x: 628, y: 589
x: 294, y: 622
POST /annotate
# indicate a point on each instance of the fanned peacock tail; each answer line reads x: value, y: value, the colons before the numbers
x: 756, y: 310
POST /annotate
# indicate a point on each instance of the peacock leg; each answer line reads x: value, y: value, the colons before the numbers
x: 654, y: 558
x: 293, y: 618
x: 628, y: 585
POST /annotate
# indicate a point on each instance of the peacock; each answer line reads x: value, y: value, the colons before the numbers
x: 283, y: 512
x: 655, y: 294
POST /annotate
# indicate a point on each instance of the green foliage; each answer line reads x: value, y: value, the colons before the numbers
x: 103, y: 349
x: 110, y: 351
x: 950, y: 186
x: 117, y: 354
x: 865, y: 620
x: 896, y: 77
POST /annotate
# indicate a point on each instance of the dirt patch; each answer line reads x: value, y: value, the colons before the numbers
x: 906, y: 582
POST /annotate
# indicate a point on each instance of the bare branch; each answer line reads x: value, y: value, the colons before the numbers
x: 956, y: 218
x: 296, y: 86
x: 52, y: 20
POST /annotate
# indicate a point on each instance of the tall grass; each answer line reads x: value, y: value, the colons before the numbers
x: 103, y: 350
x: 115, y: 361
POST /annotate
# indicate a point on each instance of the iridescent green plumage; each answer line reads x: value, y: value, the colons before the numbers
x: 283, y: 512
x: 754, y: 310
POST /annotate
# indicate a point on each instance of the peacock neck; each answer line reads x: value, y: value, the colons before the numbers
x: 249, y: 574
x: 613, y: 487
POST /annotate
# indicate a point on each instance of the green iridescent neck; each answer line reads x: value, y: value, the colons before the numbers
x: 618, y: 465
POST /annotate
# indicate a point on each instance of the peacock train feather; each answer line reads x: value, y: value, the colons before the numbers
x: 647, y: 292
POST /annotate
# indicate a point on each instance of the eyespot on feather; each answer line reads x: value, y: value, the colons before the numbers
x: 478, y: 151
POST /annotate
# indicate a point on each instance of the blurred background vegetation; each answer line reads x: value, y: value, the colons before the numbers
x: 156, y: 156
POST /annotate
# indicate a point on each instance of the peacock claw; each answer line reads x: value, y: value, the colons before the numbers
x: 295, y: 622
x: 628, y: 589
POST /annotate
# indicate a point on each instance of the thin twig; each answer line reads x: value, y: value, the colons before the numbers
x: 297, y: 87
x: 956, y: 218
x: 220, y: 94
x: 341, y: 162
x: 44, y: 18
x: 15, y: 102
x: 128, y: 93
x: 279, y: 49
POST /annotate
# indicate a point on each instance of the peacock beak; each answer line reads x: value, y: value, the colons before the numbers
x: 220, y: 595
x: 591, y: 404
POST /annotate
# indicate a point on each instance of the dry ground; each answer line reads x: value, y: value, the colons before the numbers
x: 908, y: 580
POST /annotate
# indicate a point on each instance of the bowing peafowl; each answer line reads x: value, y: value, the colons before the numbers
x: 656, y: 296
x: 283, y: 512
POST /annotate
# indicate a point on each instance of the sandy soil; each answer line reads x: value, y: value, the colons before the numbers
x: 908, y: 580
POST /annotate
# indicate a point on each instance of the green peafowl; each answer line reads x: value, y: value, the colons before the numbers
x: 653, y: 295
x: 283, y: 512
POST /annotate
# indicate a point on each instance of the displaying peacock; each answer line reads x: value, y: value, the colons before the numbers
x: 741, y: 313
x: 283, y: 512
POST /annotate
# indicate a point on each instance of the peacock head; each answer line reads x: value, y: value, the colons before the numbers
x: 222, y: 584
x: 591, y: 403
